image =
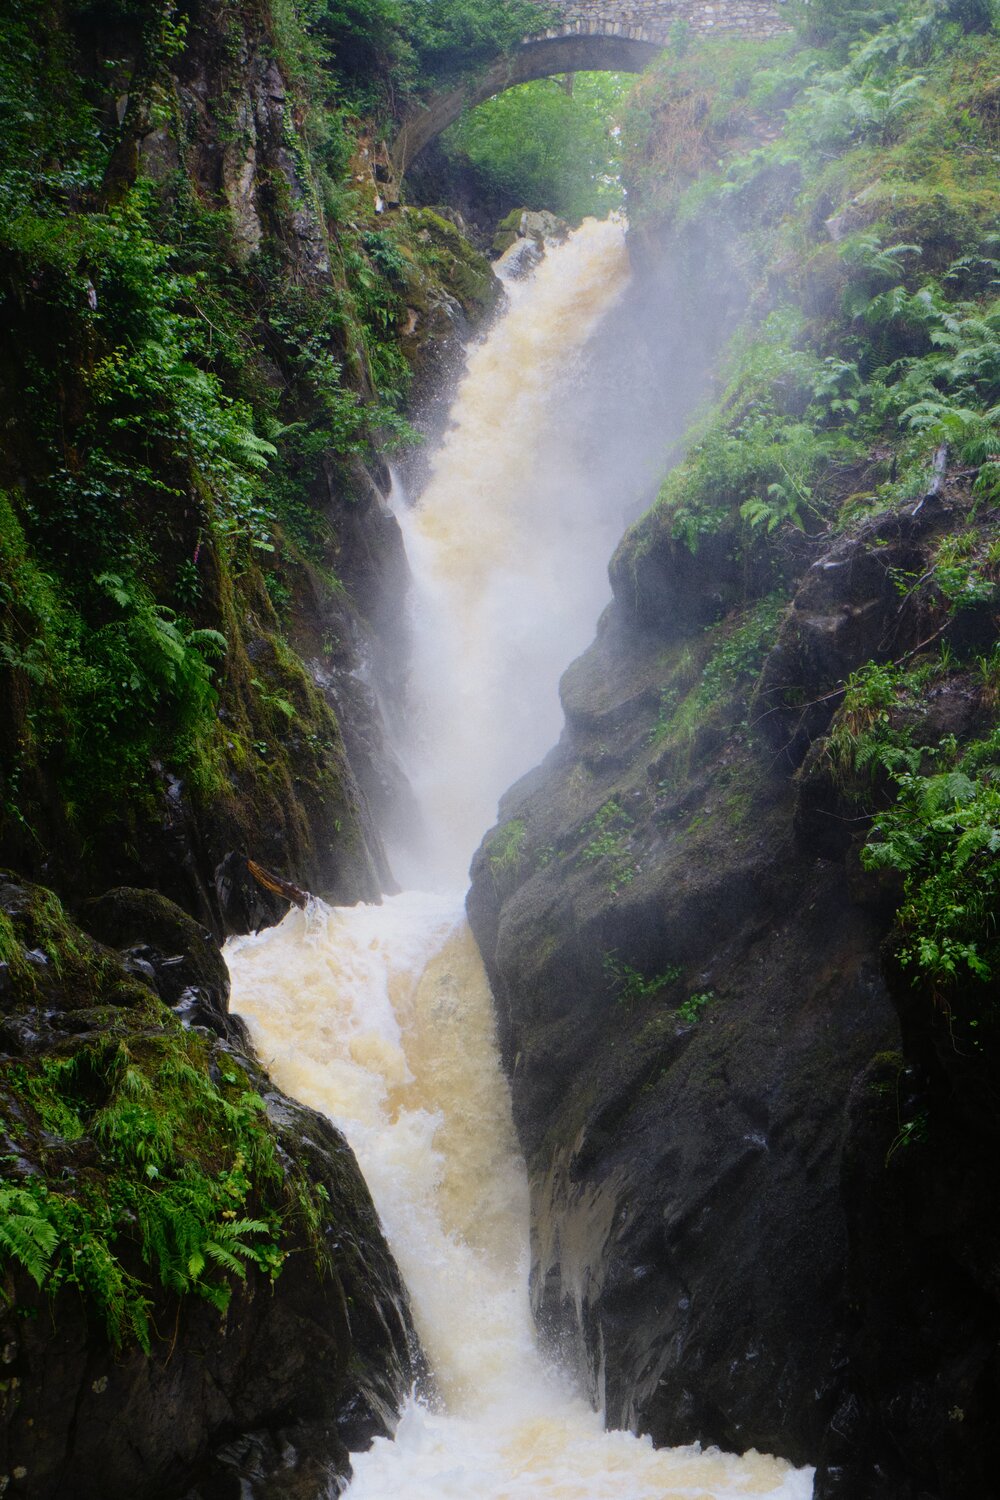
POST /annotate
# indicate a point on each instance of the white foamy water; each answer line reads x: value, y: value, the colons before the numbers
x: 509, y: 548
x: 382, y: 1016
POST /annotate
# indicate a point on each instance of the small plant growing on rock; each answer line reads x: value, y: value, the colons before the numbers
x: 690, y: 1012
x: 628, y: 985
x: 506, y: 848
x: 943, y: 836
x: 607, y: 844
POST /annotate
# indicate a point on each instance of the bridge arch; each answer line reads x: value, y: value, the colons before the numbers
x: 539, y: 57
x: 595, y: 36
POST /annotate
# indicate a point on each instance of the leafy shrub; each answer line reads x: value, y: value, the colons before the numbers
x: 451, y: 34
x: 690, y: 1012
x: 629, y: 986
x: 505, y: 847
x: 545, y: 148
x: 144, y: 1162
x: 866, y: 737
x: 781, y: 428
x: 838, y: 22
x: 181, y: 1160
x: 607, y: 846
x: 739, y: 648
x: 943, y: 835
x: 383, y: 50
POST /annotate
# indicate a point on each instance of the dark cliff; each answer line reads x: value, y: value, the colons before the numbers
x: 198, y: 1298
x: 739, y: 923
x: 202, y: 581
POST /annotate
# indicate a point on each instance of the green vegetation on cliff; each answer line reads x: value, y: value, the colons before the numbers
x: 867, y: 373
x: 778, y: 776
x: 138, y: 1159
x: 380, y: 51
x: 208, y: 329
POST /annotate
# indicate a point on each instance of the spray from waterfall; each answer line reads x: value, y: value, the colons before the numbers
x: 382, y: 1017
x: 508, y: 548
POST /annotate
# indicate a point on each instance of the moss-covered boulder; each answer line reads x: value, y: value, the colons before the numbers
x: 529, y: 224
x: 195, y: 1282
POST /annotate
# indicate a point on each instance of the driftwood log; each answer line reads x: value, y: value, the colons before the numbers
x: 277, y: 885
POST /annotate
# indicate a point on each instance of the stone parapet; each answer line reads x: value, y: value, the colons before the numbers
x: 654, y: 20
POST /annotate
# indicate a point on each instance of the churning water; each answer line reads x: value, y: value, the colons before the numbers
x: 508, y: 548
x: 382, y: 1016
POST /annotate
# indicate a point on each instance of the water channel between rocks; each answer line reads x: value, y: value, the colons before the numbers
x: 381, y: 1016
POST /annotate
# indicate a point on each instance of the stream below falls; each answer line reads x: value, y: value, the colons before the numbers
x: 381, y: 1016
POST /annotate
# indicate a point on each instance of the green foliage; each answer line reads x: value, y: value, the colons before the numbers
x: 887, y: 337
x: 682, y: 118
x: 546, y: 148
x: 833, y: 116
x: 181, y: 1158
x: 179, y: 414
x: 145, y: 1161
x: 964, y: 569
x: 943, y: 835
x: 690, y: 1012
x: 505, y: 848
x: 950, y: 393
x: 839, y: 22
x: 913, y: 1132
x: 381, y: 51
x: 363, y: 42
x: 607, y: 845
x: 112, y: 686
x: 868, y: 736
x: 893, y: 347
x: 740, y: 647
x: 448, y: 35
x: 742, y: 651
x: 941, y: 831
x: 26, y: 1234
x: 780, y: 433
x: 629, y: 986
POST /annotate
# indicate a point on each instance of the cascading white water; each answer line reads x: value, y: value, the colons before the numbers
x: 382, y: 1016
x: 508, y: 549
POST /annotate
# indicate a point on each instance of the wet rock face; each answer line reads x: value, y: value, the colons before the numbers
x: 706, y: 1035
x: 847, y: 609
x: 688, y: 1240
x: 917, y: 1394
x: 451, y: 294
x: 263, y: 1402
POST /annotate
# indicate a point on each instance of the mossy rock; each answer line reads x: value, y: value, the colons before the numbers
x: 507, y: 231
x: 126, y: 917
x: 154, y: 1180
x: 43, y: 955
x: 450, y: 262
x: 529, y: 223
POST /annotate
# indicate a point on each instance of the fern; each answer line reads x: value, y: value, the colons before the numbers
x: 26, y: 1233
x: 943, y: 836
x: 189, y: 1173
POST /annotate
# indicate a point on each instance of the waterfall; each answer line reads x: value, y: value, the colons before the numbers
x: 509, y: 549
x: 382, y: 1016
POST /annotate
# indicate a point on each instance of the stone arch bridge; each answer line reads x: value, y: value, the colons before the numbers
x: 601, y: 36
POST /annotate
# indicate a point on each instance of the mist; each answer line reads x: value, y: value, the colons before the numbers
x: 561, y: 427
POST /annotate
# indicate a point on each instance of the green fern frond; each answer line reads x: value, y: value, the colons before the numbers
x: 26, y: 1233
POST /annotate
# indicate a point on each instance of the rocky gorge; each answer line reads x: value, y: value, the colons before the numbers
x: 738, y: 924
